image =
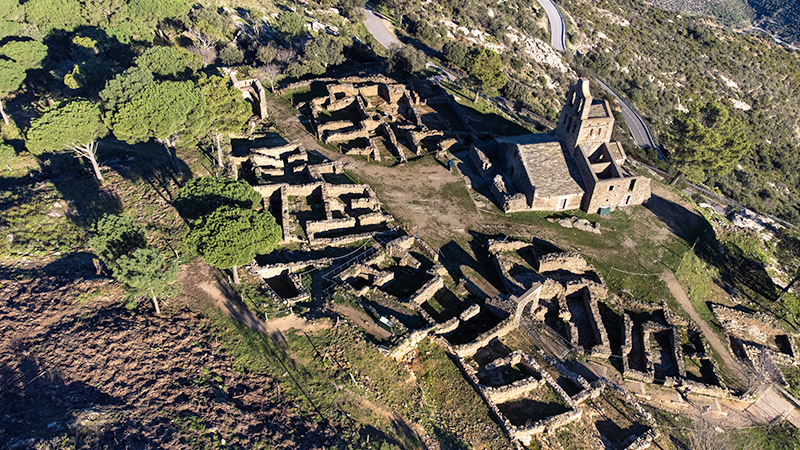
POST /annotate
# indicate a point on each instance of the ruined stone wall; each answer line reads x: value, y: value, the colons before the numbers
x: 319, y: 226
x: 341, y: 240
x: 372, y: 219
x: 346, y: 135
x: 335, y: 125
x: 388, y: 133
x: 569, y: 261
x: 508, y: 392
x: 427, y: 291
x: 480, y: 161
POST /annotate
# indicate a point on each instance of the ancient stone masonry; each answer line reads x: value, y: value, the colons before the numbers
x: 652, y: 352
x: 576, y: 166
x: 756, y: 338
x: 252, y: 90
x: 570, y: 287
x: 365, y: 116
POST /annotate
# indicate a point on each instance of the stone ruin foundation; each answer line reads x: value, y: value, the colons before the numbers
x: 378, y: 118
x: 758, y: 340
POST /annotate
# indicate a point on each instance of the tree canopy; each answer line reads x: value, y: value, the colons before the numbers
x: 7, y: 154
x: 116, y: 235
x: 226, y: 110
x: 147, y: 273
x: 66, y: 126
x: 290, y: 23
x: 486, y: 70
x: 321, y: 52
x: 229, y: 112
x: 230, y: 237
x: 159, y: 110
x: 406, y: 59
x: 455, y: 52
x: 707, y: 138
x: 73, y: 126
x: 122, y: 87
x: 231, y: 55
x: 168, y: 61
x: 53, y: 14
x: 28, y: 54
x: 201, y: 196
x: 11, y: 76
x: 152, y: 11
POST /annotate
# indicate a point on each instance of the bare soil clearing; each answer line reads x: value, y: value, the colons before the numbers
x: 92, y: 372
x: 219, y: 293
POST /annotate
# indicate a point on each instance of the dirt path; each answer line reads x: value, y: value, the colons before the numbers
x: 677, y: 291
x: 200, y: 281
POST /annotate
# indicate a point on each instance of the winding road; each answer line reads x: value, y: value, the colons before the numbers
x: 639, y: 130
x: 557, y: 26
x: 642, y: 136
x: 379, y: 30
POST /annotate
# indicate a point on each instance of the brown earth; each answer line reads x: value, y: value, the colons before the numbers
x: 78, y: 369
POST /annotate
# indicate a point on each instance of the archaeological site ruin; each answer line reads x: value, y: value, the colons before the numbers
x: 343, y: 252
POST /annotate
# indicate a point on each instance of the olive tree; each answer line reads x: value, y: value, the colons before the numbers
x: 74, y: 126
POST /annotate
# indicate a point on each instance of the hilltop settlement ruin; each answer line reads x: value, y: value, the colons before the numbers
x: 340, y: 246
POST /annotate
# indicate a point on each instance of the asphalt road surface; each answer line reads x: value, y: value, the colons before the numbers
x: 639, y: 131
x: 557, y: 28
x: 378, y: 30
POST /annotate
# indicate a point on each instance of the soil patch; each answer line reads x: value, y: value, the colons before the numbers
x: 78, y: 369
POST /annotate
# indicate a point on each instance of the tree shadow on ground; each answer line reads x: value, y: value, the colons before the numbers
x: 78, y: 186
x: 145, y: 162
x: 36, y: 402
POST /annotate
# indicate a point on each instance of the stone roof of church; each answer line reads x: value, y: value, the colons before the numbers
x: 549, y: 167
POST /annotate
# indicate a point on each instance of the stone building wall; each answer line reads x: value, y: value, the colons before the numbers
x: 617, y: 192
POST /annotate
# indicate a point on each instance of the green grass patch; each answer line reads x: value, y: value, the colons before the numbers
x: 459, y: 408
x: 323, y: 387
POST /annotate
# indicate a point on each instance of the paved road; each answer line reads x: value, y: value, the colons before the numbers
x: 639, y: 130
x: 557, y: 28
x: 378, y: 30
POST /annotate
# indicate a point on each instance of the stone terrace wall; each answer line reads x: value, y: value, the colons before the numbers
x: 571, y: 262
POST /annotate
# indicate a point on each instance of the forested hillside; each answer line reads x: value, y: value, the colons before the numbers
x: 730, y: 12
x: 664, y: 62
x: 781, y: 17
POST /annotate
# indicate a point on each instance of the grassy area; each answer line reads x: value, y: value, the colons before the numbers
x: 792, y: 375
x: 632, y: 251
x: 324, y: 386
x: 778, y: 437
x: 456, y: 405
x: 698, y: 278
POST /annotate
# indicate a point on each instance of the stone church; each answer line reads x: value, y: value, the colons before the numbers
x: 576, y: 166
